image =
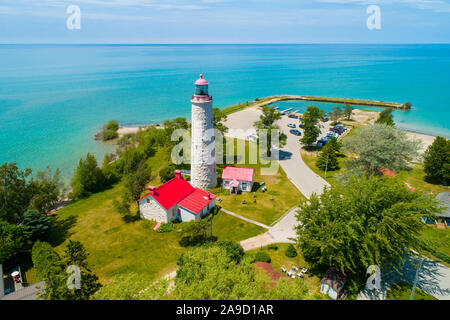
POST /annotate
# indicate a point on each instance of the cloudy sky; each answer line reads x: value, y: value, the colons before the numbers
x: 224, y: 21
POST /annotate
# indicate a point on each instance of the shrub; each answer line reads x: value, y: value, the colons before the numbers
x: 109, y: 134
x: 234, y: 249
x: 272, y: 247
x: 290, y: 251
x: 167, y: 173
x: 165, y: 227
x: 262, y: 256
x: 112, y: 125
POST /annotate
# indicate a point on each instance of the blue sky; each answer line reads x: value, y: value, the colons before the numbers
x: 225, y: 21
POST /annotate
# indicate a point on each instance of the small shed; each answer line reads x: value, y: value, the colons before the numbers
x: 332, y: 283
x: 444, y: 199
x: 238, y: 179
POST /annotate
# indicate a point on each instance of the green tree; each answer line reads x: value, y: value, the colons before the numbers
x: 136, y: 182
x: 262, y: 256
x: 76, y: 254
x: 335, y: 114
x: 88, y: 178
x: 310, y: 121
x: 47, y: 189
x: 167, y: 173
x: 348, y: 111
x: 35, y: 226
x: 11, y: 240
x: 112, y: 125
x: 194, y: 232
x: 209, y: 273
x: 386, y: 117
x: 265, y: 126
x: 380, y: 146
x: 14, y: 192
x: 219, y: 117
x: 328, y: 157
x: 368, y: 221
x: 109, y: 135
x: 437, y: 161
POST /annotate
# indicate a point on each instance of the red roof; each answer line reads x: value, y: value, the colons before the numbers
x: 179, y: 191
x: 238, y: 173
x: 196, y: 200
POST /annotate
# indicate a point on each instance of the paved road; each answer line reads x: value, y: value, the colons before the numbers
x: 290, y: 160
x: 26, y: 293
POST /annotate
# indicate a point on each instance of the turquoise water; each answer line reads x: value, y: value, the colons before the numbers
x: 54, y: 98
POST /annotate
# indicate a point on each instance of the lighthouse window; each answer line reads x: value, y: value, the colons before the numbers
x: 201, y: 90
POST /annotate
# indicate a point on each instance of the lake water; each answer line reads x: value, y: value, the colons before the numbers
x: 54, y: 98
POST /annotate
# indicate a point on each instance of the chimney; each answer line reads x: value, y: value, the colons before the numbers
x: 178, y: 174
x: 152, y: 190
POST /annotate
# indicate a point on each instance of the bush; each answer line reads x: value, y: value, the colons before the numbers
x: 165, y: 227
x: 290, y: 251
x: 262, y: 256
x: 167, y: 173
x: 234, y: 249
x: 109, y: 134
x: 272, y: 247
x: 112, y: 125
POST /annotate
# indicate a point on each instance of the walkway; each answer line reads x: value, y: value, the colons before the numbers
x: 244, y: 218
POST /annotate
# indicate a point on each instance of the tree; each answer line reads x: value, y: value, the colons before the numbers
x: 335, y: 114
x: 265, y: 126
x: 52, y: 269
x: 368, y: 221
x: 14, y: 192
x: 167, y: 173
x: 262, y: 256
x: 386, y: 117
x: 310, y: 121
x: 47, y: 189
x: 136, y: 182
x: 437, y: 161
x: 380, y: 146
x: 209, y: 273
x: 35, y: 226
x: 11, y: 240
x: 348, y: 111
x: 219, y: 117
x: 76, y: 254
x: 328, y: 158
x: 194, y: 232
x: 88, y: 178
x: 110, y: 130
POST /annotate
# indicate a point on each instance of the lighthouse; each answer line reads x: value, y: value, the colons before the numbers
x: 203, y: 157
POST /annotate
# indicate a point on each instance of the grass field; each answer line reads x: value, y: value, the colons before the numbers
x: 440, y: 238
x: 281, y: 195
x: 117, y: 247
x: 279, y: 259
x: 402, y: 291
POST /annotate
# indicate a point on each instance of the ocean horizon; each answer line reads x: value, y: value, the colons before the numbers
x: 55, y: 97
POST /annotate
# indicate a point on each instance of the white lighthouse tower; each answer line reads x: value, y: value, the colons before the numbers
x: 203, y: 157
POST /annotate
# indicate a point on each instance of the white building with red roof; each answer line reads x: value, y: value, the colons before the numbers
x: 238, y: 179
x: 176, y: 199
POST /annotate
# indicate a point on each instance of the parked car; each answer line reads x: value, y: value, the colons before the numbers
x: 296, y: 132
x: 293, y: 116
x: 300, y: 125
x: 291, y: 125
x: 338, y: 131
x: 325, y: 119
x: 332, y: 134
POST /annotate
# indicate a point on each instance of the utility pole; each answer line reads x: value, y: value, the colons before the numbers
x: 415, y: 278
x: 326, y: 167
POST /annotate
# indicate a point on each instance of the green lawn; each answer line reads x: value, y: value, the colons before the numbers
x: 402, y: 291
x: 281, y: 195
x: 279, y: 259
x: 117, y: 247
x: 440, y: 239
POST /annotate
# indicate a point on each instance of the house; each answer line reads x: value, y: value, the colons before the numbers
x: 238, y: 179
x: 176, y: 199
x: 444, y: 199
x: 332, y: 283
